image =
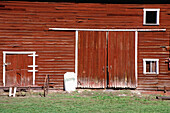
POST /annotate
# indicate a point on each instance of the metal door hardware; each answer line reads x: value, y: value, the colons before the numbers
x: 8, y: 63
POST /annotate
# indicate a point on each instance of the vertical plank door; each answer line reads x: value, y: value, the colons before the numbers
x: 17, y: 70
x: 121, y: 59
x: 92, y: 59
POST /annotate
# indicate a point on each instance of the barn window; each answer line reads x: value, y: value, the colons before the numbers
x: 151, y: 16
x: 150, y: 66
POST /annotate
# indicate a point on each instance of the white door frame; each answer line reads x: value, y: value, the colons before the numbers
x: 30, y: 53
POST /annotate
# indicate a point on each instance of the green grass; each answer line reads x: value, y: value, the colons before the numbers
x: 87, y: 102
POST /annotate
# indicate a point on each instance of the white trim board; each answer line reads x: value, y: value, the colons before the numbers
x: 77, y: 29
x: 76, y: 55
x: 19, y: 52
x: 136, y: 57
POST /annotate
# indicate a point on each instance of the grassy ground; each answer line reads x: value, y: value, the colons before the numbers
x: 86, y: 101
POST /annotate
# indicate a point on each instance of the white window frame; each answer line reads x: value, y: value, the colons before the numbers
x: 30, y: 53
x: 144, y: 66
x: 144, y: 16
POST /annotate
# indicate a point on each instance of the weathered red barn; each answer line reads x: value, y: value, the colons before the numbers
x: 106, y: 45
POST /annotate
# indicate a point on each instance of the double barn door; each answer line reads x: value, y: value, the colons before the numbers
x: 106, y: 59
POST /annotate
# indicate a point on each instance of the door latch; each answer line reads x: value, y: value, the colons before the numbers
x: 103, y: 69
x: 8, y: 63
x: 110, y: 66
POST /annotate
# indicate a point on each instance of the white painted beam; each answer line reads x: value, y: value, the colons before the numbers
x: 18, y: 52
x: 4, y: 60
x: 33, y: 68
x: 76, y: 29
x: 136, y: 57
x: 76, y: 56
x: 33, y: 71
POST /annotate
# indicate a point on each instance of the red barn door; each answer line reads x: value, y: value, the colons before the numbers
x: 121, y: 59
x: 92, y: 59
x: 95, y: 55
x: 17, y: 70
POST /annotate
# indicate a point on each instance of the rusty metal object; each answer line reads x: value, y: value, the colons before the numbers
x: 46, y: 85
x: 166, y: 48
x: 163, y: 98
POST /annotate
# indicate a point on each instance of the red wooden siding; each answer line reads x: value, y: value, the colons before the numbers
x: 150, y: 47
x: 92, y: 59
x: 22, y: 15
x: 55, y: 50
x: 24, y: 27
x: 121, y: 59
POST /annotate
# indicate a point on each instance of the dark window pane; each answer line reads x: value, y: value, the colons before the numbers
x: 147, y: 66
x: 151, y: 17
